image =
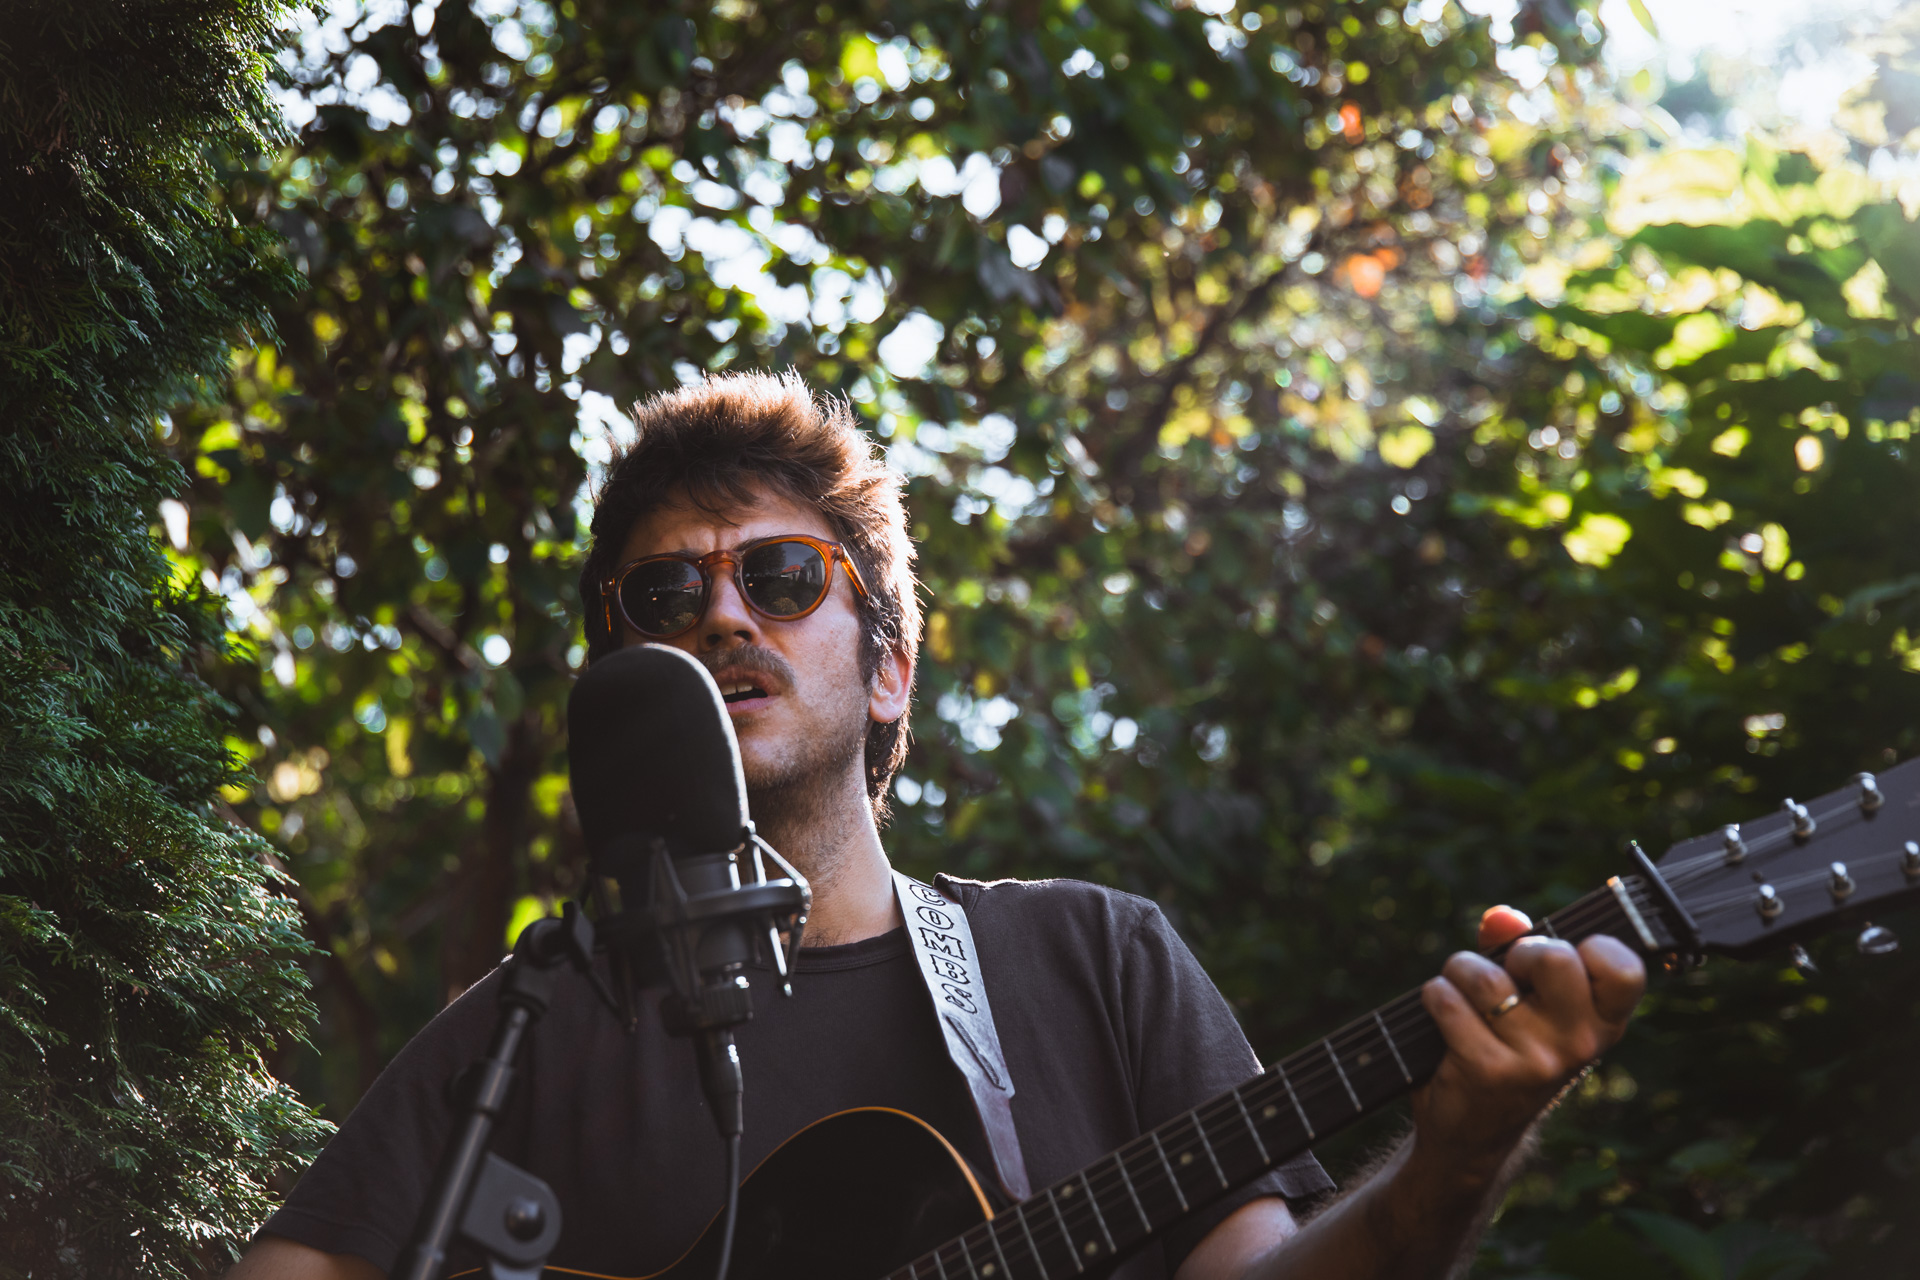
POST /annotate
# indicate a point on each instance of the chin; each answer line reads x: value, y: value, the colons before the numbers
x: 763, y: 774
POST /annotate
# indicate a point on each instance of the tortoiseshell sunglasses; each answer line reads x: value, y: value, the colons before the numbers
x: 783, y: 577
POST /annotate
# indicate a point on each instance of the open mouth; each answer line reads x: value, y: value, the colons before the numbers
x: 738, y: 691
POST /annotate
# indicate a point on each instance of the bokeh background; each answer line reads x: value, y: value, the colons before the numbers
x: 1368, y: 461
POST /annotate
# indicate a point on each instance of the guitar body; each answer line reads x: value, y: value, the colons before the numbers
x: 850, y: 1197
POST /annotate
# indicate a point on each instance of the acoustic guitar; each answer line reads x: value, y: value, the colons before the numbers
x: 910, y: 1209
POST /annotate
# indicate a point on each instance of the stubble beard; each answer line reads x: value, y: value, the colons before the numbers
x: 809, y: 796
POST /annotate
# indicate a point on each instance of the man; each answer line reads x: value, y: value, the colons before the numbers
x: 1109, y: 1025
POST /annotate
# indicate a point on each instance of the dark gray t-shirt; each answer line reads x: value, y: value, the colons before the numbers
x: 1109, y: 1025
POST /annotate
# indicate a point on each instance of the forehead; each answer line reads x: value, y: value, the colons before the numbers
x: 681, y: 525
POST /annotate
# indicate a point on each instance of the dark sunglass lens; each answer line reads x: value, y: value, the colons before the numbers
x: 662, y: 597
x: 784, y: 578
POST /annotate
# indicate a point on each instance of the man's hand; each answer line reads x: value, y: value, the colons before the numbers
x: 1507, y: 1058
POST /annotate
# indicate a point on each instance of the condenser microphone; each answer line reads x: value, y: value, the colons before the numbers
x: 663, y: 806
x: 653, y: 757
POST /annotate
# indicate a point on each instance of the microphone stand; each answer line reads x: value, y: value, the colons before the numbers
x: 511, y: 1215
x: 701, y: 925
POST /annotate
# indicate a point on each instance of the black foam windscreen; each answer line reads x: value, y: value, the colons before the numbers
x: 652, y: 753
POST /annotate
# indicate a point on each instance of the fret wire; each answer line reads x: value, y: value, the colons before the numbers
x: 1212, y: 1159
x: 1172, y: 1177
x: 1258, y: 1145
x: 1099, y: 1218
x: 1345, y: 1083
x: 939, y: 1267
x: 993, y: 1238
x: 1138, y: 1208
x: 1065, y: 1234
x: 1020, y: 1216
x: 1392, y: 1048
x: 966, y: 1256
x: 1298, y: 1109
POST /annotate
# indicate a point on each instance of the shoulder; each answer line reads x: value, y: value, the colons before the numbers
x: 1074, y: 907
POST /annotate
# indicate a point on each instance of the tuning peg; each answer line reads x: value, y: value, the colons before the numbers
x: 1839, y: 883
x: 1910, y: 859
x: 1802, y: 961
x: 1877, y: 940
x: 1803, y: 825
x: 1768, y: 902
x: 1870, y: 797
x: 1730, y: 841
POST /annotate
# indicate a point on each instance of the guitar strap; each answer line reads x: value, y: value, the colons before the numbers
x: 943, y: 947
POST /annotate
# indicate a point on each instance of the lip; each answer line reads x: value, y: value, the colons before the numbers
x: 766, y: 684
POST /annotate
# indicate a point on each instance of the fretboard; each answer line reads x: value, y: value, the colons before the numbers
x: 1126, y: 1198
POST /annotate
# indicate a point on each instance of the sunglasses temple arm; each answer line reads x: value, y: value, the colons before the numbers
x: 853, y: 570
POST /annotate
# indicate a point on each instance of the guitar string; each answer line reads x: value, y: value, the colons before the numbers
x: 1758, y: 845
x: 1744, y: 898
x: 1404, y: 1010
x: 1826, y: 811
x: 1700, y: 865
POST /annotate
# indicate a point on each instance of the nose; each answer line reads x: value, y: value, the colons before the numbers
x: 728, y: 618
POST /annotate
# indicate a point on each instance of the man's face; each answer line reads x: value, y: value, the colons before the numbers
x: 794, y: 690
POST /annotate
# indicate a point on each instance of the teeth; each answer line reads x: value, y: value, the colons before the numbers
x: 732, y: 687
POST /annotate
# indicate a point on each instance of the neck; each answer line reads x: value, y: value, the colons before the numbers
x: 830, y: 837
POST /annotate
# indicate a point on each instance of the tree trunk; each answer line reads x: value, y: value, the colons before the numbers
x: 479, y: 904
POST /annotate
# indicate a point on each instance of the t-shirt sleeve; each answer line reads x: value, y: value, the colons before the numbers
x: 363, y: 1195
x: 1187, y: 1048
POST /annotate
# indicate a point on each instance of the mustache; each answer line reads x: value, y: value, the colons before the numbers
x: 750, y: 659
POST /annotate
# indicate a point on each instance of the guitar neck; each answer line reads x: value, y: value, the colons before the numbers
x: 1131, y: 1195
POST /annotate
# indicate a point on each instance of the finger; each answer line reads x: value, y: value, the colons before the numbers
x: 1463, y: 1025
x: 1617, y: 977
x: 1483, y: 983
x: 1554, y: 972
x: 1501, y: 925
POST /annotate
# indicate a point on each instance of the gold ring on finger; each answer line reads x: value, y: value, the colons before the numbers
x: 1505, y: 1006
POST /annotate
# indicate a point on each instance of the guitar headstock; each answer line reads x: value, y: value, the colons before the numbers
x: 1804, y: 869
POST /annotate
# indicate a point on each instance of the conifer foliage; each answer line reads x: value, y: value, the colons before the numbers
x: 145, y: 963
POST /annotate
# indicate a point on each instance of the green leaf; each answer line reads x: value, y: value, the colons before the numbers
x: 1695, y: 1251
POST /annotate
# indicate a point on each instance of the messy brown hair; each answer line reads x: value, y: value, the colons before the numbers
x: 718, y: 440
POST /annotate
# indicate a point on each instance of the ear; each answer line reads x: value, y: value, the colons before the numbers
x: 891, y: 689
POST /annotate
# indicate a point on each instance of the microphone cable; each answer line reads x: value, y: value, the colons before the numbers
x: 733, y: 1206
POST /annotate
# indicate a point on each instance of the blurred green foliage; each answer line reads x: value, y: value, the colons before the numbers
x: 1345, y: 501
x: 146, y: 971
